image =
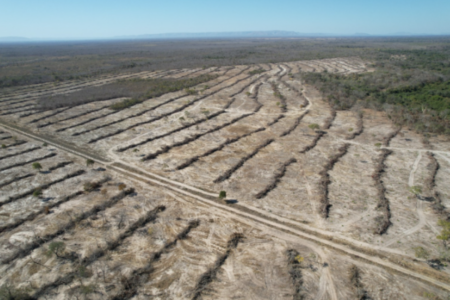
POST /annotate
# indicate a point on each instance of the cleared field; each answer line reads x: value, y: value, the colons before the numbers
x: 320, y: 204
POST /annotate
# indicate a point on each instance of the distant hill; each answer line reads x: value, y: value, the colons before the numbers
x: 243, y: 34
x: 13, y: 39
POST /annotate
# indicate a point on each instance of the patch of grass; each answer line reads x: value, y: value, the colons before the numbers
x: 421, y: 252
x: 415, y: 189
x: 257, y: 71
x: 314, y: 126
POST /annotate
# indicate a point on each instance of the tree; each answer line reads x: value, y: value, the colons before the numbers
x: 222, y: 194
x: 37, y: 192
x: 89, y: 162
x: 37, y: 166
x: 56, y: 248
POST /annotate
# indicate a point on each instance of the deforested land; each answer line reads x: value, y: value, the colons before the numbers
x: 299, y: 168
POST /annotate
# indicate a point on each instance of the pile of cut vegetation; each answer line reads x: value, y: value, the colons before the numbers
x: 135, y: 90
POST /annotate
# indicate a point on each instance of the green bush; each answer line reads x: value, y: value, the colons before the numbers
x: 56, y: 248
x: 36, y: 166
x: 314, y: 126
x: 37, y: 192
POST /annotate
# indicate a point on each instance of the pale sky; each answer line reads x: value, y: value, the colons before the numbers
x: 59, y: 19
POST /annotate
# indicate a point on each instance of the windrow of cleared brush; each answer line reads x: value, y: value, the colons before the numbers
x: 227, y: 174
x: 300, y: 94
x: 384, y: 221
x: 73, y: 117
x: 31, y: 215
x: 183, y: 107
x: 211, y: 274
x: 136, y: 90
x: 274, y: 121
x: 276, y: 92
x: 70, y: 223
x: 16, y: 143
x: 19, y: 164
x: 18, y: 178
x: 185, y: 126
x: 354, y: 276
x: 278, y: 174
x: 359, y: 127
x: 295, y: 272
x: 48, y: 116
x: 132, y: 283
x: 294, y: 126
x: 41, y: 187
x: 387, y: 140
x: 21, y: 152
x: 192, y: 138
x: 112, y: 245
x: 141, y: 112
x: 15, y: 179
x: 179, y: 109
x: 329, y: 121
x: 324, y: 181
x: 87, y: 121
x: 35, y: 214
x: 319, y: 135
x: 228, y: 141
x: 430, y: 185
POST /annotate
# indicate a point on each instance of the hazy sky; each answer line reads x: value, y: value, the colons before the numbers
x: 108, y: 18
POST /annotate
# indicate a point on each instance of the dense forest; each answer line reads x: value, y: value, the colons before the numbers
x: 30, y: 63
x: 412, y: 86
